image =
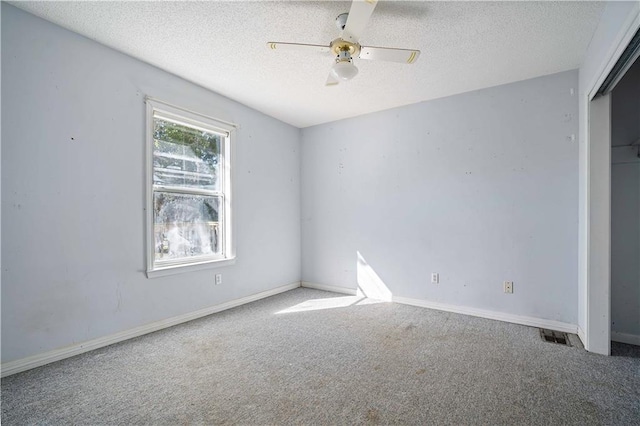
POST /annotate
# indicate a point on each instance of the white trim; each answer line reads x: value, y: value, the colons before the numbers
x: 464, y: 310
x: 229, y: 174
x: 591, y: 333
x: 148, y: 204
x: 174, y: 108
x: 34, y: 361
x: 627, y: 31
x: 482, y: 313
x: 631, y: 339
x: 331, y: 288
x: 190, y: 267
x: 599, y: 223
x: 583, y: 336
x: 227, y: 131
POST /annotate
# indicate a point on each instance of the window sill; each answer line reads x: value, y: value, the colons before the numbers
x: 191, y: 267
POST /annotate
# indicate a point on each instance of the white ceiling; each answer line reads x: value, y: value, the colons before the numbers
x: 222, y: 46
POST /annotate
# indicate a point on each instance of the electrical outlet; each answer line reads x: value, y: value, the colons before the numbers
x: 435, y: 278
x: 218, y: 279
x: 508, y: 287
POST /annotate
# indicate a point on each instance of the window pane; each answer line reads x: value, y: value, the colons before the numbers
x: 185, y: 226
x: 184, y: 156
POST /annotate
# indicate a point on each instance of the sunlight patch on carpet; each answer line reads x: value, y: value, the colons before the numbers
x: 329, y: 303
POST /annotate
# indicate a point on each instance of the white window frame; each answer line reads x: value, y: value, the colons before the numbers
x: 227, y: 131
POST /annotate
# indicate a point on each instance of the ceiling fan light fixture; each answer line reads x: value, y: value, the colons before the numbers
x: 344, y: 70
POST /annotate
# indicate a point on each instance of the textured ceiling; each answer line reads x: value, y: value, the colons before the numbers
x: 222, y: 46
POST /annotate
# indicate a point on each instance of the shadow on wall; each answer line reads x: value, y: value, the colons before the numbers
x: 371, y: 289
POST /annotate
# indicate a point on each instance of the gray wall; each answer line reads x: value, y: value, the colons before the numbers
x: 73, y: 193
x: 480, y: 187
x: 625, y: 206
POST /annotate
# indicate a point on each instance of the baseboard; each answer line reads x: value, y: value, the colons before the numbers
x: 326, y: 287
x: 34, y: 361
x: 631, y: 339
x: 499, y: 316
x: 582, y: 336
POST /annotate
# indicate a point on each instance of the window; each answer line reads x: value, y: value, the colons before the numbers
x: 189, y: 190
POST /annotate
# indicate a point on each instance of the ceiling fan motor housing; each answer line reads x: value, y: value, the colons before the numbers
x: 344, y: 56
x: 339, y: 45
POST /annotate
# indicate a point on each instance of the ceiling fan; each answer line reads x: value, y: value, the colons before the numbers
x: 346, y: 47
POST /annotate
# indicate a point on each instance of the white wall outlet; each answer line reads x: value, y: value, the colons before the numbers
x: 508, y: 287
x: 218, y: 279
x: 435, y: 278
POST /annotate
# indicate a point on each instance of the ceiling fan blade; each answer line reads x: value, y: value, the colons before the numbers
x: 405, y: 56
x: 331, y: 80
x: 359, y: 15
x: 275, y: 45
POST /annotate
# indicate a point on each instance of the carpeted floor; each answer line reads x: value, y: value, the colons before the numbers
x: 312, y: 357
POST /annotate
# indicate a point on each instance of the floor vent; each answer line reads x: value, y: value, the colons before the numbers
x: 554, y: 337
